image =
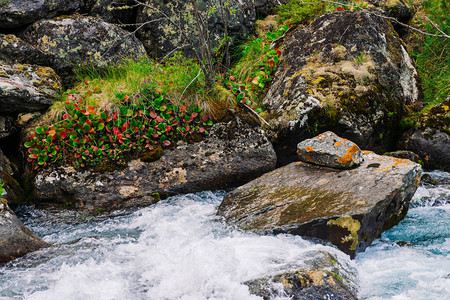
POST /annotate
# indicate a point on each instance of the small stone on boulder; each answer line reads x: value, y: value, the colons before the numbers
x: 330, y: 150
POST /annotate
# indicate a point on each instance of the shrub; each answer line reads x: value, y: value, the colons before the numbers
x: 90, y: 137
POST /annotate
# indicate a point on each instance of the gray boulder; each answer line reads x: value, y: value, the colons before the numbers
x: 349, y: 208
x: 17, y: 13
x: 15, y: 239
x: 322, y: 276
x: 430, y: 137
x: 328, y: 149
x: 162, y: 36
x: 231, y: 155
x: 27, y: 88
x: 77, y: 41
x: 347, y: 72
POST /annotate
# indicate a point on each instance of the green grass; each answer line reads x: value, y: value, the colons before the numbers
x: 2, y: 190
x: 433, y: 57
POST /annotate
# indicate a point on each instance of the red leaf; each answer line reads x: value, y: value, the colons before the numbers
x: 153, y: 114
x: 66, y: 116
x: 183, y: 108
x: 115, y: 130
x: 201, y: 129
x: 339, y: 8
x: 232, y: 77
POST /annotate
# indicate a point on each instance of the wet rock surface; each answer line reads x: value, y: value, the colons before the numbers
x: 231, y: 155
x: 349, y: 208
x: 15, y: 239
x: 77, y: 41
x: 161, y: 37
x: 330, y: 150
x: 27, y: 88
x: 347, y: 72
x: 16, y: 13
x: 322, y: 276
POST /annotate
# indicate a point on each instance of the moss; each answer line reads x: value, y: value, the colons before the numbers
x: 351, y: 225
x: 153, y: 155
x: 157, y: 196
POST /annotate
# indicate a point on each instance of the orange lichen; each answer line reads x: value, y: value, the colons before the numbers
x: 338, y: 143
x: 309, y: 149
x: 347, y: 158
x: 308, y: 158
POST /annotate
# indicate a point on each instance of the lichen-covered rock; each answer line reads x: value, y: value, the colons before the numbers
x: 231, y: 155
x: 402, y: 10
x: 405, y: 154
x: 14, y: 50
x: 117, y: 12
x: 328, y: 149
x: 77, y: 40
x: 347, y: 72
x: 322, y: 276
x: 267, y: 7
x: 430, y: 138
x: 27, y: 88
x: 349, y: 208
x: 162, y: 36
x: 15, y: 239
x: 17, y: 13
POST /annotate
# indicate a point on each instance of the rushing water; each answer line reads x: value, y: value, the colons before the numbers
x: 179, y: 249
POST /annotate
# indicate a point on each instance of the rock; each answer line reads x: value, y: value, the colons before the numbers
x: 405, y: 154
x: 27, y: 88
x: 14, y: 50
x: 231, y: 155
x: 347, y: 72
x: 17, y: 13
x: 321, y: 277
x: 267, y: 7
x: 402, y: 10
x: 7, y: 126
x: 161, y: 37
x: 117, y: 12
x: 77, y: 40
x: 15, y: 239
x: 349, y: 208
x: 433, y: 147
x: 14, y: 192
x: 430, y: 137
x: 328, y: 149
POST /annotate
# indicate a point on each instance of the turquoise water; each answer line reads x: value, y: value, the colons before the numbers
x: 179, y: 249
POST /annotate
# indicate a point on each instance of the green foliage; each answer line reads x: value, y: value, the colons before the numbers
x: 2, y: 190
x: 90, y: 137
x: 433, y: 59
x: 301, y: 11
x: 255, y: 69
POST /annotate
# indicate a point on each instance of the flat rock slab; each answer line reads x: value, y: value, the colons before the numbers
x: 15, y: 239
x: 349, y: 208
x: 328, y: 149
x: 231, y: 155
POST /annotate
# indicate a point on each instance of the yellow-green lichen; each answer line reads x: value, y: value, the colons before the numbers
x: 351, y: 225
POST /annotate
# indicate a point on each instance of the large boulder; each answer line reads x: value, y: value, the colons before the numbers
x: 347, y: 72
x: 15, y: 239
x: 401, y: 10
x: 349, y: 208
x: 231, y: 155
x: 27, y: 88
x: 321, y: 276
x: 430, y: 138
x: 76, y: 41
x: 17, y: 13
x: 160, y: 36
